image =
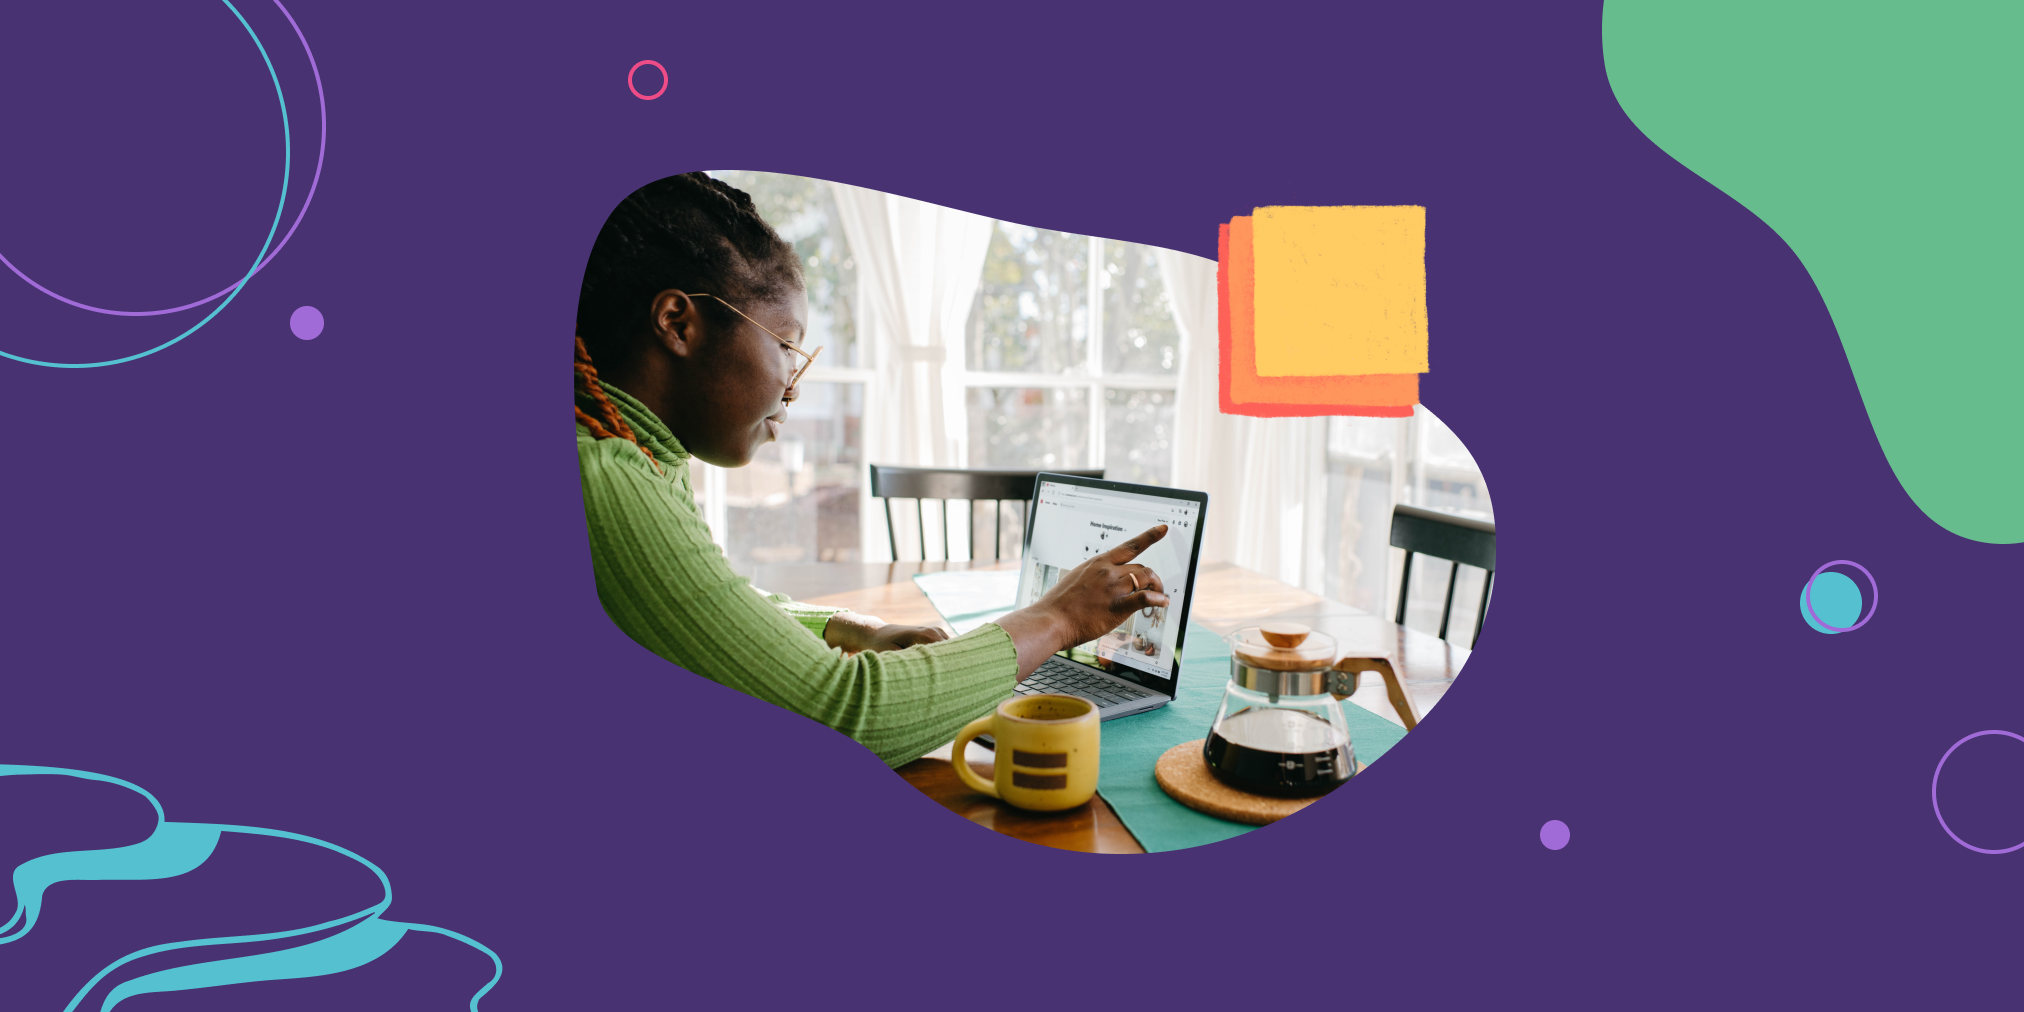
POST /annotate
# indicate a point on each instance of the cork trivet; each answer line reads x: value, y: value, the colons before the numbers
x: 1184, y: 774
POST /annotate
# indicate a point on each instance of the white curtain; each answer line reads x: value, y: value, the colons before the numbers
x: 1266, y: 477
x: 920, y: 266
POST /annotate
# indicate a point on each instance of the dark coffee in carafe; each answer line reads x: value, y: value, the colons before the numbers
x: 1284, y: 753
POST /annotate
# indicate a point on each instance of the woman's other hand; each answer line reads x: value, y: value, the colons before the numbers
x: 854, y: 632
x: 1091, y: 600
x: 900, y: 637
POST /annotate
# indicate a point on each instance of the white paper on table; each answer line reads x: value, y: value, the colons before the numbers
x: 967, y: 599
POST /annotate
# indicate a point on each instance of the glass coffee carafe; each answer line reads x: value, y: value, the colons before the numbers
x: 1280, y: 730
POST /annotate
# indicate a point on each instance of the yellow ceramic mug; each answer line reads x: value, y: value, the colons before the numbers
x: 1047, y: 752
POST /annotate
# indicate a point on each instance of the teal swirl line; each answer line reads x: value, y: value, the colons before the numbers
x: 175, y: 848
x: 123, y: 859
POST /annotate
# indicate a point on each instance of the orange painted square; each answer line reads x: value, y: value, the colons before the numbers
x: 1244, y: 392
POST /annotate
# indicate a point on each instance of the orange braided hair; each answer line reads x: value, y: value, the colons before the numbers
x: 607, y: 423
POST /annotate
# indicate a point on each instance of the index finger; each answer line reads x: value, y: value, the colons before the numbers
x: 1131, y: 548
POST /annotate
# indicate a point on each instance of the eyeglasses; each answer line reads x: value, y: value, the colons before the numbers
x: 792, y: 381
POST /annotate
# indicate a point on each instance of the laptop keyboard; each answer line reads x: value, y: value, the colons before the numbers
x: 1061, y: 676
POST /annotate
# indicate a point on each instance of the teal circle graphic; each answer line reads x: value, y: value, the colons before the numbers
x: 287, y: 163
x: 1836, y: 599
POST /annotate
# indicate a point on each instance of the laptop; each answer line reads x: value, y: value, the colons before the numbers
x: 1137, y: 667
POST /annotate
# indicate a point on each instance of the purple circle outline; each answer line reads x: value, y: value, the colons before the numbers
x: 1806, y: 598
x: 323, y: 138
x: 1936, y: 794
x: 629, y: 86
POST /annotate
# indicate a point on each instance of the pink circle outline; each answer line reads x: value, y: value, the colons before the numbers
x: 1806, y: 598
x: 1936, y: 794
x: 629, y: 86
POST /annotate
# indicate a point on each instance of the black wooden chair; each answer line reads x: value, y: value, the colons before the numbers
x: 1459, y: 540
x: 918, y: 483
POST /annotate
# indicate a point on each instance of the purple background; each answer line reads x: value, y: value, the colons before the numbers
x: 341, y: 587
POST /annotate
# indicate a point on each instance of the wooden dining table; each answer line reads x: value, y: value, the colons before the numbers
x: 1226, y: 598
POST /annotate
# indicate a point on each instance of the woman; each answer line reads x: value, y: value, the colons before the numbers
x: 688, y: 329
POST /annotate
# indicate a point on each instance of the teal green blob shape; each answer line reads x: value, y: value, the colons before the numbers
x: 1881, y: 141
x: 1835, y: 598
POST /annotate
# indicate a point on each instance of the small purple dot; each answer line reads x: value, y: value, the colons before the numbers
x: 1554, y: 834
x: 306, y: 323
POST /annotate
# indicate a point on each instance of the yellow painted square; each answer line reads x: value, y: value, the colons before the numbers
x: 1342, y: 291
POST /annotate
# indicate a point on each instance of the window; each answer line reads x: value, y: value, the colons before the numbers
x: 1037, y: 394
x: 1032, y: 308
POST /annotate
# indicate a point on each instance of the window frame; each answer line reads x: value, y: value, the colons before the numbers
x: 1089, y: 376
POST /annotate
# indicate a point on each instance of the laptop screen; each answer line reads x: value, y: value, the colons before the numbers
x: 1072, y: 522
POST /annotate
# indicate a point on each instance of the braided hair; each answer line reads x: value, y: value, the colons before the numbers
x: 688, y: 232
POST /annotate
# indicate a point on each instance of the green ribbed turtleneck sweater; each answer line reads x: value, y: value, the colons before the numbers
x: 664, y: 581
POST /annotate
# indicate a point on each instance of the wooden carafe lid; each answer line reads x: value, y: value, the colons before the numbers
x: 1283, y: 646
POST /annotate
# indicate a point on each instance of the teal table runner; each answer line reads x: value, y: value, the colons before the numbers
x: 1132, y: 745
